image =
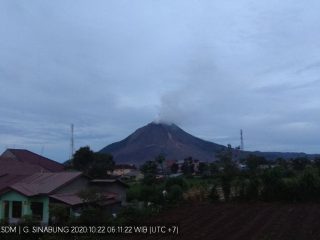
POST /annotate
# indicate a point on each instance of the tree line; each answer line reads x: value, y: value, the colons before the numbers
x: 252, y: 178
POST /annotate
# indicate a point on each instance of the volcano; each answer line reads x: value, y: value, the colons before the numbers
x: 148, y: 142
x: 160, y: 138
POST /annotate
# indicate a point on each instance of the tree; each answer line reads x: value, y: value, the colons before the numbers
x: 82, y: 158
x: 253, y: 162
x: 316, y: 162
x: 300, y: 163
x: 174, y: 168
x: 203, y: 168
x: 188, y: 166
x: 282, y: 162
x: 93, y: 164
x: 213, y: 168
x: 272, y: 184
x: 229, y: 171
x: 160, y: 159
x: 213, y: 194
x: 102, y: 163
x: 309, y: 184
x: 149, y: 169
x: 176, y: 181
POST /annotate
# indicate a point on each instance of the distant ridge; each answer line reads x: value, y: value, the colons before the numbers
x: 175, y: 144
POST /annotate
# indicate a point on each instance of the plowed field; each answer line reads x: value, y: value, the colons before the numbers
x: 245, y: 221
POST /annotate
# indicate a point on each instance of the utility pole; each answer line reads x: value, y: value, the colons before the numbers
x: 72, y: 142
x: 241, y: 140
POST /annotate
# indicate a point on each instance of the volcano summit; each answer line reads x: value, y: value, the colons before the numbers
x: 160, y: 138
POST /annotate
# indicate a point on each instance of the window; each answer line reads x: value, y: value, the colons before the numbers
x: 37, y: 210
x: 6, y: 209
x: 16, y: 209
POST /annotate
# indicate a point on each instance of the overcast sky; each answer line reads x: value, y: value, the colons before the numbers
x: 212, y: 67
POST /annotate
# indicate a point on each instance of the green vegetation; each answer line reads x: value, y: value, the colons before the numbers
x: 251, y: 179
x: 149, y: 169
x: 297, y: 180
x: 93, y: 164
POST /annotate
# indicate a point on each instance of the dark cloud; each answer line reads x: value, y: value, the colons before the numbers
x: 111, y: 66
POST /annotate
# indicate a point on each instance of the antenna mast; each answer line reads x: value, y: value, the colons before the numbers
x: 72, y: 141
x: 241, y: 140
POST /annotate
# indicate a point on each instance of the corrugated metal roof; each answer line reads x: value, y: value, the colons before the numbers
x: 73, y: 198
x: 9, y: 179
x: 113, y: 180
x: 108, y: 202
x: 44, y: 183
x: 68, y: 198
x: 13, y: 171
x: 14, y: 166
x: 104, y: 180
x: 29, y: 157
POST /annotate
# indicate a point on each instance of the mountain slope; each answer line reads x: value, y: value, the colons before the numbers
x: 175, y: 144
x: 158, y: 138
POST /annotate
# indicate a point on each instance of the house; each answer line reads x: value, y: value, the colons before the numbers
x: 18, y: 164
x: 33, y: 195
x: 30, y: 184
x: 122, y: 169
x: 134, y: 174
x: 126, y: 172
x: 114, y: 186
x: 25, y: 157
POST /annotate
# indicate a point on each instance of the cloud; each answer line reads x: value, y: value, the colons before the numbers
x: 111, y: 66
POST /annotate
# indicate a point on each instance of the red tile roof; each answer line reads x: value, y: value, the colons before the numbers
x: 28, y: 157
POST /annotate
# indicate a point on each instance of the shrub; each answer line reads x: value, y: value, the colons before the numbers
x: 196, y: 194
x: 59, y: 213
x: 176, y: 181
x: 175, y: 194
x: 133, y: 215
x: 133, y: 193
x: 272, y: 184
x: 151, y: 194
x: 252, y: 189
x: 290, y: 190
x: 28, y: 220
x: 213, y: 194
x: 309, y: 184
x: 92, y: 216
x: 226, y: 187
